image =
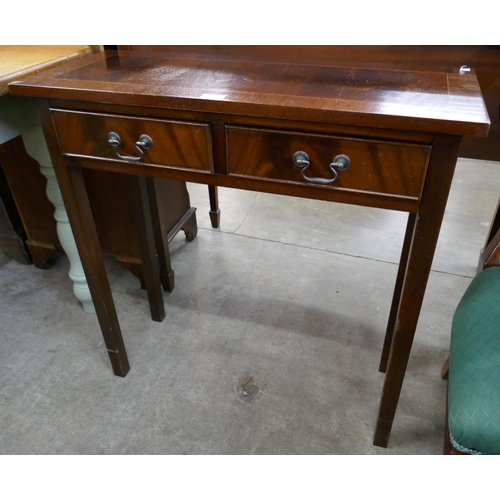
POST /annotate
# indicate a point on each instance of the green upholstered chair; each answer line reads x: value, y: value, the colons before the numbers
x: 473, y: 368
x: 473, y: 403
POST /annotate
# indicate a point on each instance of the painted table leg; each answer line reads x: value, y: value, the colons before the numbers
x: 36, y: 147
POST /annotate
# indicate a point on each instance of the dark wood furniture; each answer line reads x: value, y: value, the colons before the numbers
x: 213, y: 192
x: 246, y: 123
x: 483, y: 59
x: 113, y: 215
x: 28, y: 230
x: 12, y: 233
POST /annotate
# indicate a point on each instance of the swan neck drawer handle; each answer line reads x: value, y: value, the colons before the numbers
x: 144, y: 142
x: 340, y: 162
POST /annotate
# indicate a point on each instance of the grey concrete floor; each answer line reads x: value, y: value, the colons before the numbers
x: 293, y: 293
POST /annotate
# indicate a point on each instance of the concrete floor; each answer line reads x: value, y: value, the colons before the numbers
x: 293, y: 293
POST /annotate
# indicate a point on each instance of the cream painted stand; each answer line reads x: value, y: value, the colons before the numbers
x: 36, y: 147
x: 18, y: 117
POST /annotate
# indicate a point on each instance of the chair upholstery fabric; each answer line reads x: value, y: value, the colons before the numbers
x: 474, y: 376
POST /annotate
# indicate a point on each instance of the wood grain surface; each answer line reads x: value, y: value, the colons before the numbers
x: 20, y: 61
x: 426, y: 101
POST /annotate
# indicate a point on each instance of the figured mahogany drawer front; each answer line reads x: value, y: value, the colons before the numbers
x: 174, y: 144
x: 375, y: 166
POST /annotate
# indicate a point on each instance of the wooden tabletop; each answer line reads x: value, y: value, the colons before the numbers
x: 439, y: 102
x: 20, y: 61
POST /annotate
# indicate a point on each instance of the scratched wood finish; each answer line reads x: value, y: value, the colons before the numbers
x: 439, y: 102
x: 167, y: 136
x: 378, y: 167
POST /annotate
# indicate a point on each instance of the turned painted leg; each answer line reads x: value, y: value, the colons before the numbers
x: 36, y: 147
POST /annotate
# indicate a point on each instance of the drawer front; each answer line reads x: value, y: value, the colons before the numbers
x: 174, y: 144
x: 375, y: 166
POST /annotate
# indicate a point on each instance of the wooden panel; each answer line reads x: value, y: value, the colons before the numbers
x: 418, y: 101
x: 28, y: 185
x: 175, y: 144
x: 376, y: 166
x: 483, y: 59
x: 113, y: 213
x: 12, y: 234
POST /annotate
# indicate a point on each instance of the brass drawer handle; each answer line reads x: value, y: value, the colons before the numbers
x: 144, y: 142
x: 340, y: 162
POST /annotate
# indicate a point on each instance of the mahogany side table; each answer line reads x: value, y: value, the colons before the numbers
x: 361, y: 135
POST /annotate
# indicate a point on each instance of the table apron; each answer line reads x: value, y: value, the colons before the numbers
x: 347, y: 196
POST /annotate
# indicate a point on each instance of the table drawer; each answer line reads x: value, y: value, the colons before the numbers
x: 174, y: 144
x: 375, y: 166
